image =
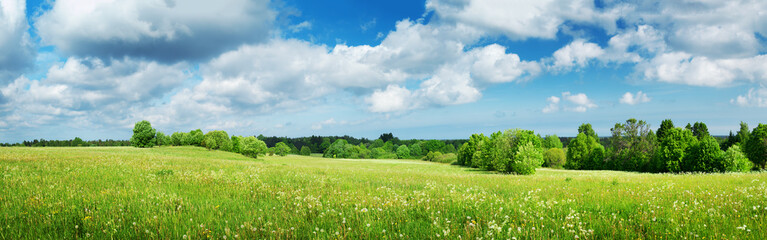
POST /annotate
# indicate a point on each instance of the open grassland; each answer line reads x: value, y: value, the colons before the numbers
x: 187, y: 192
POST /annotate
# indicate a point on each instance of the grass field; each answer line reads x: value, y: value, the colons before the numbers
x: 193, y: 193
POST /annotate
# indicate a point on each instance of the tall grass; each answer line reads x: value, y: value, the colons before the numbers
x: 193, y: 193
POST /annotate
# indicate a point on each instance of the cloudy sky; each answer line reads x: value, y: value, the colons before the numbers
x: 418, y: 69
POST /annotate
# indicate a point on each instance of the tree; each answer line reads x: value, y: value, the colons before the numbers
x: 281, y: 149
x: 434, y: 145
x: 250, y: 146
x: 337, y: 150
x: 403, y: 152
x: 736, y: 161
x: 527, y: 159
x: 143, y: 135
x: 415, y: 149
x: 554, y: 158
x: 217, y: 139
x: 386, y: 137
x: 77, y: 142
x: 672, y: 149
x: 586, y: 129
x: 664, y: 127
x: 176, y: 138
x: 306, y: 151
x: 236, y: 147
x: 160, y: 139
x: 193, y: 138
x: 756, y: 146
x: 579, y: 150
x: 743, y: 134
x: 632, y: 145
x: 552, y: 141
x: 704, y: 156
x: 449, y: 148
x: 699, y: 130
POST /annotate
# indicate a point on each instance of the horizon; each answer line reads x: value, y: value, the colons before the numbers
x: 431, y: 69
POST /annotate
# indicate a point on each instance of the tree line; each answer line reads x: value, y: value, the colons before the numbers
x: 76, y: 142
x: 144, y: 136
x: 632, y: 146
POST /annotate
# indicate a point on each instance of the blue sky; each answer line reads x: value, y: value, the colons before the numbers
x: 419, y: 69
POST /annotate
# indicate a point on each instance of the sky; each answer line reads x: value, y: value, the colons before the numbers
x: 434, y: 69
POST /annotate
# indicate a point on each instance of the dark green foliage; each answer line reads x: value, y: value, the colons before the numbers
x: 756, y: 146
x: 143, y: 135
x: 193, y: 138
x: 252, y: 147
x: 236, y: 147
x: 449, y: 148
x: 554, y: 158
x: 176, y: 138
x: 467, y: 152
x: 552, y: 141
x: 705, y: 156
x: 403, y: 152
x: 699, y: 130
x: 632, y: 146
x: 596, y: 159
x: 672, y: 148
x: 338, y: 149
x: 306, y: 151
x: 433, y: 145
x: 215, y: 140
x: 281, y: 149
x: 743, y: 134
x: 386, y: 137
x: 664, y: 127
x: 78, y: 142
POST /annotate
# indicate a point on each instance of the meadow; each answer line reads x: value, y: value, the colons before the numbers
x: 194, y: 193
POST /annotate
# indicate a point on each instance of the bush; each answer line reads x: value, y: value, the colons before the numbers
x: 736, y: 161
x: 756, y: 146
x: 527, y: 159
x: 193, y: 138
x: 217, y: 139
x: 705, y: 156
x: 432, y: 156
x: 281, y: 149
x: 143, y: 135
x: 445, y: 158
x: 403, y: 152
x: 236, y: 144
x: 175, y: 139
x: 554, y: 158
x: 251, y: 146
x: 306, y: 151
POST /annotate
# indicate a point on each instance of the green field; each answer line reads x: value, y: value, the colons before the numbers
x: 188, y: 192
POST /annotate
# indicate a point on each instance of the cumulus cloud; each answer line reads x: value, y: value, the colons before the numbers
x: 17, y: 53
x: 89, y: 91
x: 631, y: 99
x: 163, y: 30
x: 572, y: 102
x: 754, y: 98
x: 577, y: 53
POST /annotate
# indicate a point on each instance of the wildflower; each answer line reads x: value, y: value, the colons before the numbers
x: 76, y: 227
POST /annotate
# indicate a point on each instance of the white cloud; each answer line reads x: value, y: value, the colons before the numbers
x: 17, y: 53
x: 392, y: 99
x: 320, y: 125
x: 305, y: 25
x: 684, y: 68
x: 577, y: 53
x: 754, y: 98
x: 631, y: 99
x: 575, y: 103
x: 164, y: 30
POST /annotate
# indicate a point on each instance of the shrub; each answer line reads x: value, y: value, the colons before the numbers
x: 403, y: 152
x: 431, y: 156
x: 306, y: 151
x: 235, y: 144
x: 705, y: 156
x: 527, y: 159
x: 446, y: 158
x: 193, y: 138
x: 554, y: 158
x: 281, y: 149
x: 143, y: 135
x: 337, y: 150
x: 251, y: 146
x: 217, y: 139
x: 552, y: 141
x: 736, y: 161
x: 176, y: 138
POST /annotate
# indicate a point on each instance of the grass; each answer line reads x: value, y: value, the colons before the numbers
x: 193, y: 193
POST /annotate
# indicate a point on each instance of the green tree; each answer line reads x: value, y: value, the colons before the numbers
x: 281, y: 149
x: 160, y: 139
x: 632, y: 145
x: 415, y: 149
x: 143, y: 135
x: 325, y: 144
x: 586, y: 129
x: 704, y: 156
x: 552, y: 141
x: 78, y: 142
x: 433, y: 145
x: 756, y: 146
x: 699, y: 130
x: 403, y: 152
x: 176, y: 138
x: 466, y: 156
x: 736, y: 161
x: 250, y: 146
x: 579, y: 150
x: 236, y: 147
x: 306, y: 151
x: 449, y: 148
x: 527, y: 159
x: 664, y: 127
x: 218, y: 139
x: 672, y: 149
x: 554, y: 158
x: 337, y: 150
x: 193, y: 138
x: 743, y: 134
